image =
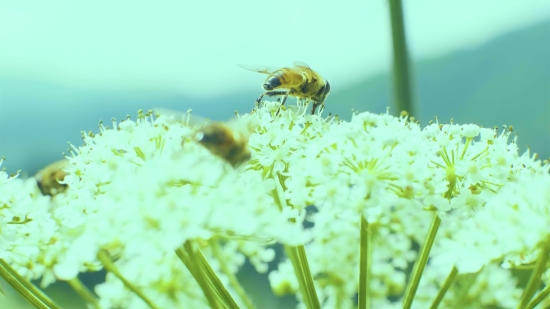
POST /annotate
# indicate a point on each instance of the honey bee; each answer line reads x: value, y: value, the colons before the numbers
x: 299, y: 81
x: 225, y: 142
x: 48, y: 178
x: 228, y: 141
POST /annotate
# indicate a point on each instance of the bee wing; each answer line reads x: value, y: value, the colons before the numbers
x: 302, y: 65
x: 244, y: 124
x: 187, y: 119
x: 258, y: 68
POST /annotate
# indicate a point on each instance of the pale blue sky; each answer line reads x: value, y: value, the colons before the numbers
x: 192, y: 47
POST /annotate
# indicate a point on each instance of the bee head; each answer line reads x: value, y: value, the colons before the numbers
x: 211, y: 135
x: 272, y: 83
x: 327, y: 88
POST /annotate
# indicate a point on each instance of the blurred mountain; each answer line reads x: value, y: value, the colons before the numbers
x: 504, y: 81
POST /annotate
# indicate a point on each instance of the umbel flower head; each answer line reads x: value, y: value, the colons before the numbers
x: 26, y: 224
x: 143, y: 188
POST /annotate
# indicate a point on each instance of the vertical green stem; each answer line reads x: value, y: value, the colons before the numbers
x: 109, y: 266
x: 305, y: 281
x: 214, y: 244
x: 297, y: 255
x: 401, y: 74
x: 421, y: 264
x: 540, y: 296
x: 444, y: 288
x: 215, y: 282
x: 307, y: 275
x: 25, y: 288
x: 187, y: 255
x: 364, y: 264
x: 83, y: 291
x: 534, y: 281
x: 465, y: 282
x: 210, y: 284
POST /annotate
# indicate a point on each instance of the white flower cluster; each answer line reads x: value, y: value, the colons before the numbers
x: 26, y: 225
x: 389, y: 171
x: 145, y: 187
x: 140, y: 191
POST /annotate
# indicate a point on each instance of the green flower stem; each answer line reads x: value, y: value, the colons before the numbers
x: 540, y: 296
x: 365, y: 263
x: 109, y: 266
x: 304, y: 264
x: 307, y: 288
x: 190, y: 261
x: 421, y: 264
x: 83, y: 291
x: 534, y: 281
x: 29, y: 291
x: 297, y: 255
x: 215, y: 245
x: 401, y: 74
x: 465, y: 282
x: 216, y: 283
x: 444, y: 288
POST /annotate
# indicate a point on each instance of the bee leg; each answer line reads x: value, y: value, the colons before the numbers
x: 282, y: 103
x: 283, y: 93
x: 279, y: 110
x: 314, y: 107
x: 284, y: 99
x: 259, y: 100
x: 275, y: 93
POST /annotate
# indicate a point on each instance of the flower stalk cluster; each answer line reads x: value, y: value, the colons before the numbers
x: 172, y: 222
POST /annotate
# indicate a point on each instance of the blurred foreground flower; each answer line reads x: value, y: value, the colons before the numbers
x: 145, y: 196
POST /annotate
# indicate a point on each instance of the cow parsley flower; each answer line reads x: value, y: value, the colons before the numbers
x: 139, y: 190
x: 319, y: 186
x: 26, y: 225
x: 511, y: 225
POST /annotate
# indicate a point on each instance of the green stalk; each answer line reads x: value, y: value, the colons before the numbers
x: 215, y: 282
x: 232, y: 278
x: 297, y: 255
x: 187, y: 255
x: 109, y: 266
x: 401, y: 74
x: 534, y: 281
x: 304, y: 264
x: 365, y: 263
x: 421, y: 264
x: 83, y: 291
x: 540, y: 296
x: 465, y: 282
x: 25, y: 288
x: 306, y: 286
x: 444, y: 288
